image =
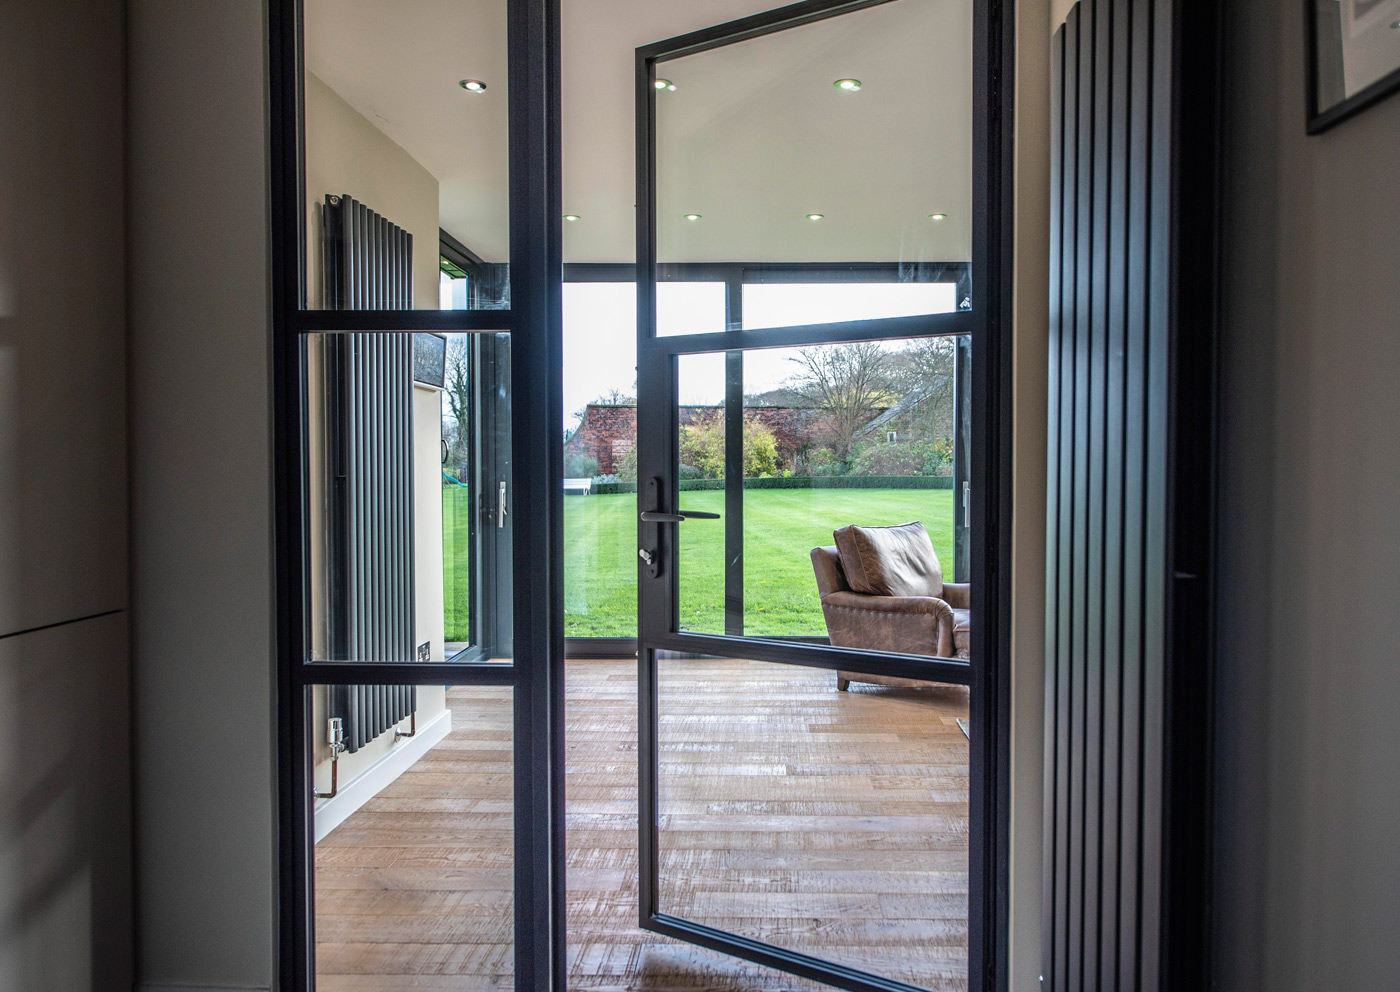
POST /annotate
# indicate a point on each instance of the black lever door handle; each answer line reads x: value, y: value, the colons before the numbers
x: 657, y: 517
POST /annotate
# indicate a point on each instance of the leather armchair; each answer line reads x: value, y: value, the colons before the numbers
x: 905, y: 624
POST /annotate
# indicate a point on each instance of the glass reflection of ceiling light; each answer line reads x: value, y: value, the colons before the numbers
x: 692, y: 216
x: 815, y: 216
x: 571, y: 217
x: 849, y: 85
x: 937, y: 216
x: 473, y: 85
x: 665, y: 84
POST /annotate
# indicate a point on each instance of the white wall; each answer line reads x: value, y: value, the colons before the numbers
x: 345, y: 153
x: 1308, y: 722
x: 427, y: 518
x: 65, y: 778
x: 202, y: 634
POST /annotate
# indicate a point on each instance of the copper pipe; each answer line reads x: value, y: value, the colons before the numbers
x: 399, y: 733
x: 335, y: 784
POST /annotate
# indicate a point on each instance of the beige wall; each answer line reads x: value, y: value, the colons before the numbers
x: 345, y: 153
x: 1031, y: 359
x: 65, y: 773
x: 203, y: 635
x: 1308, y: 722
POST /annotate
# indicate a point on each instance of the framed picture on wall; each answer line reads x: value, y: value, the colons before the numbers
x: 1353, y: 57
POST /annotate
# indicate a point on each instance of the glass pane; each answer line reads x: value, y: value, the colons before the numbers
x: 406, y: 133
x: 600, y: 459
x: 689, y: 308
x: 860, y: 434
x: 869, y: 434
x: 414, y: 858
x: 787, y: 304
x: 828, y: 822
x: 702, y: 447
x: 407, y: 453
x: 845, y: 142
x: 1355, y: 45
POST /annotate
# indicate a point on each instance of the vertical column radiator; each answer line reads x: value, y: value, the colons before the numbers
x: 369, y: 422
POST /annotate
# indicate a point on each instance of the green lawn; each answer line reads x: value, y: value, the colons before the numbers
x: 781, y: 526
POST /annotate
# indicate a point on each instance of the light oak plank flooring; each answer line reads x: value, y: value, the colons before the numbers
x: 834, y: 823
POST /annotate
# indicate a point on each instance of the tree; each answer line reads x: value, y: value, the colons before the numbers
x: 848, y: 383
x: 457, y: 393
x: 615, y: 397
x: 927, y: 367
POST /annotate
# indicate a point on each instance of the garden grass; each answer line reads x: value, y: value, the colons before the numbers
x: 781, y: 526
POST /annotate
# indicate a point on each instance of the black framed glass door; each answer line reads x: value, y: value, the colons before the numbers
x: 823, y: 145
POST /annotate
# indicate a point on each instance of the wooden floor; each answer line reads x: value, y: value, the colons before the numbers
x: 834, y: 823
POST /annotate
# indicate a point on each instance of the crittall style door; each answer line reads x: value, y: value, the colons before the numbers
x: 814, y: 302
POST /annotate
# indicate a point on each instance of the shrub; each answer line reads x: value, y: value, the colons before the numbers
x: 823, y: 461
x: 901, y: 458
x: 580, y: 465
x: 627, y: 469
x: 702, y: 447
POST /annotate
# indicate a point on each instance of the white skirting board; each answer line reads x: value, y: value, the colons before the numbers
x: 331, y: 813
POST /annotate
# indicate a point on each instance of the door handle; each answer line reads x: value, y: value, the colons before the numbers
x: 501, y: 510
x: 657, y: 517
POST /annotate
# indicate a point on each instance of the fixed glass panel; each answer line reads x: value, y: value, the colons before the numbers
x: 414, y: 869
x: 829, y: 822
x: 600, y: 459
x: 789, y: 304
x: 690, y: 308
x: 406, y: 136
x: 408, y: 488
x: 847, y: 141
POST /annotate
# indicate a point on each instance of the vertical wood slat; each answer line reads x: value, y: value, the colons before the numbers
x: 1107, y: 495
x: 373, y: 536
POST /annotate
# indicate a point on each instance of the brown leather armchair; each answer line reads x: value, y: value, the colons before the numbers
x: 936, y: 626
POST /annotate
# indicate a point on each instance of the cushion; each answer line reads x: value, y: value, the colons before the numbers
x: 890, y: 561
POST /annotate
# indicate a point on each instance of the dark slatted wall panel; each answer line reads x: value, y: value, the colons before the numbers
x: 1107, y: 513
x: 369, y: 266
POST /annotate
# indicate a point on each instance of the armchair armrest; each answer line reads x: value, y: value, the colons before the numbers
x: 905, y: 624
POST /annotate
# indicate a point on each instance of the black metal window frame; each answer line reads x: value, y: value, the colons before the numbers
x: 534, y: 323
x: 988, y: 327
x: 737, y: 275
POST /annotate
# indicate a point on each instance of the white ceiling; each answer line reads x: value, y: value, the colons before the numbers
x: 754, y: 137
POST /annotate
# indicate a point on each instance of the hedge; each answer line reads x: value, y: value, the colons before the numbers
x: 799, y: 482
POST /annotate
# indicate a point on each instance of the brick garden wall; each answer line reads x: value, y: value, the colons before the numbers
x: 607, y: 433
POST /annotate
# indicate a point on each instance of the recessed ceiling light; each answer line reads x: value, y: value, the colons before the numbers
x: 850, y: 85
x: 1395, y: 26
x: 474, y: 85
x: 665, y: 84
x: 937, y: 216
x: 571, y: 217
x: 815, y: 216
x: 692, y: 216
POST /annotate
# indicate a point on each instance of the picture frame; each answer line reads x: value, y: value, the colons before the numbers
x: 1353, y: 57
